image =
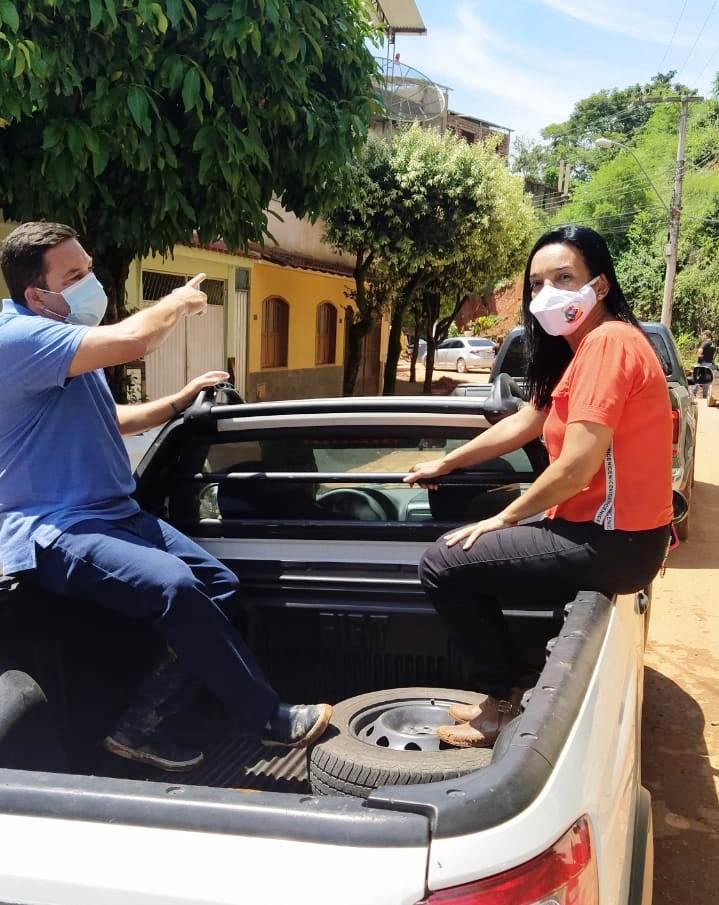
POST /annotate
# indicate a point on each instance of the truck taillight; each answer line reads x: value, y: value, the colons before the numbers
x: 675, y: 426
x: 566, y: 874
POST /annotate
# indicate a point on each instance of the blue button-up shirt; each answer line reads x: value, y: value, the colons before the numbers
x: 62, y: 458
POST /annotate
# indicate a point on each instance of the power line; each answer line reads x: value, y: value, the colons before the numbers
x: 584, y: 192
x: 595, y: 124
x: 706, y: 65
x: 701, y: 32
x: 624, y: 214
x: 674, y: 33
x: 620, y: 181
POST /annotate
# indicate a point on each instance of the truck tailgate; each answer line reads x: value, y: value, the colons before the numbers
x: 88, y: 841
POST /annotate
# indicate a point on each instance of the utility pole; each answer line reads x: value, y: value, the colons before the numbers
x: 676, y: 209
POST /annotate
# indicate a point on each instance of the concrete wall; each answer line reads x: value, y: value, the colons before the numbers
x: 302, y: 383
x: 303, y: 238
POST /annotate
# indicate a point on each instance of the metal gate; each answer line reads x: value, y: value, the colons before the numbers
x: 196, y: 345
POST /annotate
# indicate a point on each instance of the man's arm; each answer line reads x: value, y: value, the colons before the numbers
x: 139, y: 334
x: 134, y: 419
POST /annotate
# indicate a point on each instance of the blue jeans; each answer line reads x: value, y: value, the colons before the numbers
x: 145, y: 569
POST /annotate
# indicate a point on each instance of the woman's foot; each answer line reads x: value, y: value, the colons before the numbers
x: 488, y: 720
x: 465, y: 713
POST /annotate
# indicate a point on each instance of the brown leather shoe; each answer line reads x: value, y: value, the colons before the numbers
x: 483, y: 729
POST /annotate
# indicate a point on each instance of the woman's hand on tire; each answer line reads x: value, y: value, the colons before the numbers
x: 471, y: 533
x: 423, y: 472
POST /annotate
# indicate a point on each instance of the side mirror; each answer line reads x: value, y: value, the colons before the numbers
x: 681, y: 507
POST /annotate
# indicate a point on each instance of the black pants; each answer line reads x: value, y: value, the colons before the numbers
x: 549, y: 559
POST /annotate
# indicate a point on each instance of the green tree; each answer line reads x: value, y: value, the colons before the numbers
x: 146, y: 123
x: 363, y: 221
x: 482, y: 248
x: 484, y: 257
x: 428, y: 217
x: 532, y: 159
x: 617, y: 113
x: 620, y: 202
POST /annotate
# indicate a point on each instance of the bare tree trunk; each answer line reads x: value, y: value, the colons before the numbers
x: 415, y: 347
x: 431, y: 302
x: 394, y: 349
x: 353, y: 360
x: 360, y: 328
x: 429, y: 367
x: 112, y: 268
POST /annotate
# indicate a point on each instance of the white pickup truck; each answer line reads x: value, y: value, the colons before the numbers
x: 305, y: 501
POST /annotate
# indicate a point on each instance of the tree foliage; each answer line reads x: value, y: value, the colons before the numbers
x: 435, y: 217
x: 618, y: 114
x: 619, y: 201
x: 142, y: 123
x: 533, y: 159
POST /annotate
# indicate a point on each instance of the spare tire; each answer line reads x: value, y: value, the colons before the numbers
x: 387, y: 738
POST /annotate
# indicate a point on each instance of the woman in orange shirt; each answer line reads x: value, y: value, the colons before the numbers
x: 599, y: 515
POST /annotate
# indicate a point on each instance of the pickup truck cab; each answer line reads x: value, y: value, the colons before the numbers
x: 511, y: 360
x: 305, y: 501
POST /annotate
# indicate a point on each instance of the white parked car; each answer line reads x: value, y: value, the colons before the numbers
x: 463, y: 353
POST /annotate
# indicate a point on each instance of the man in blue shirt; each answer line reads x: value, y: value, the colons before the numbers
x: 68, y: 521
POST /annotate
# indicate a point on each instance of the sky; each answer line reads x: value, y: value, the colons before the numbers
x: 523, y: 64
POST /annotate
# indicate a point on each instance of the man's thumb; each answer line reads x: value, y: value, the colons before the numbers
x: 196, y: 280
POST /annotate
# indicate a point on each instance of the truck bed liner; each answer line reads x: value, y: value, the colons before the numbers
x: 234, y: 762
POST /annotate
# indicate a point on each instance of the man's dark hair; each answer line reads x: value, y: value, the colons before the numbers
x: 22, y: 255
x: 548, y: 356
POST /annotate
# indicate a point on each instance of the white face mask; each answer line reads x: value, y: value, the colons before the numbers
x: 560, y: 312
x: 86, y: 299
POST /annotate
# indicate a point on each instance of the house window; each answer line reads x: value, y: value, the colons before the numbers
x: 326, y: 334
x: 156, y: 285
x: 275, y: 333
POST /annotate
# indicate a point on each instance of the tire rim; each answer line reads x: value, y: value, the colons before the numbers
x: 403, y: 725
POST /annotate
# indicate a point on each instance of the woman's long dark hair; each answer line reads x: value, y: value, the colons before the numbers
x: 548, y: 356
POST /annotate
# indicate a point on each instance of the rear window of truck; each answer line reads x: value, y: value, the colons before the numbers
x: 336, y: 476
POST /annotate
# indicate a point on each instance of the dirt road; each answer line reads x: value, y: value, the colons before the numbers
x: 681, y: 701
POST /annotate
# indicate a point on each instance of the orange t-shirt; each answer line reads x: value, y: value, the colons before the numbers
x: 615, y: 379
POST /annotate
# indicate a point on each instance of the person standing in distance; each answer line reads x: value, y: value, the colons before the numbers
x: 68, y: 521
x: 705, y: 356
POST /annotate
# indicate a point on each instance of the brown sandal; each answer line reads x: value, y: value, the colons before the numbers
x: 465, y: 713
x: 483, y: 729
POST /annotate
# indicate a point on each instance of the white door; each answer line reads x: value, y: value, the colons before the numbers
x: 206, y: 342
x: 196, y: 345
x: 237, y: 337
x: 166, y: 367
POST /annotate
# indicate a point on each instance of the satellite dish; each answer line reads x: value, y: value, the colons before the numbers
x: 409, y: 96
